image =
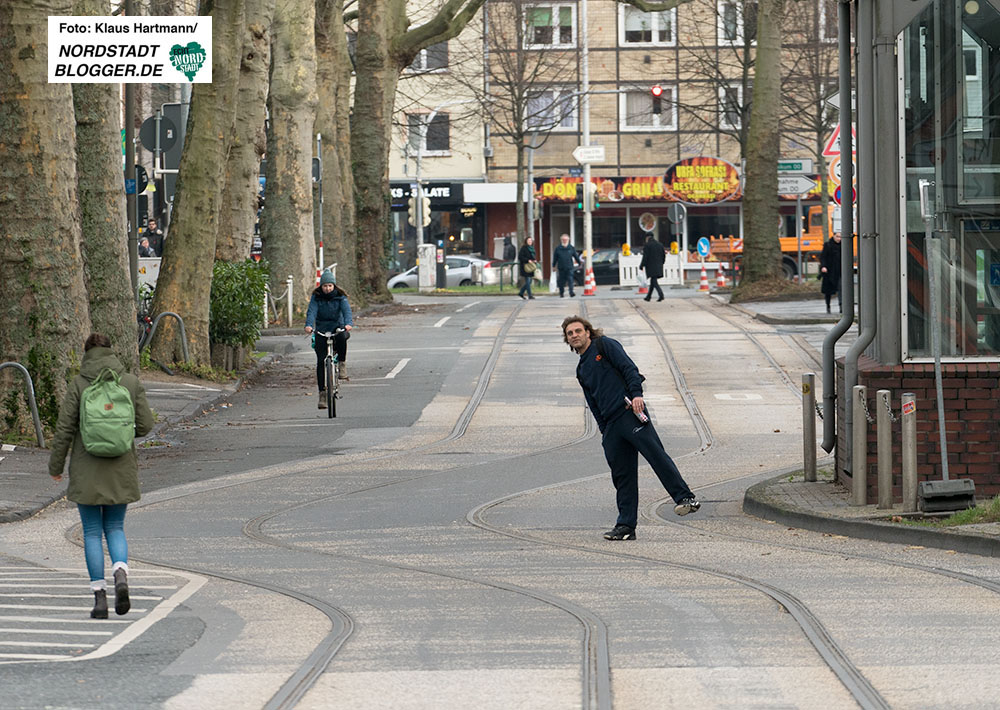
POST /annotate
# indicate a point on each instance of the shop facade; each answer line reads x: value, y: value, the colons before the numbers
x: 459, y: 226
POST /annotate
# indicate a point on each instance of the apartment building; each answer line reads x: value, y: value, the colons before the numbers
x: 669, y: 99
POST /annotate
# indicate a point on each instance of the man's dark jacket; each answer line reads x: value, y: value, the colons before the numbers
x: 564, y: 257
x: 653, y: 256
x: 606, y: 379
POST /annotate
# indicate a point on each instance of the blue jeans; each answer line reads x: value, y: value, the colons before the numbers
x: 527, y: 284
x: 624, y: 439
x: 109, y: 521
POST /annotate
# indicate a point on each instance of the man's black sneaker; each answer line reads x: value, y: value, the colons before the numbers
x: 620, y: 532
x: 688, y: 505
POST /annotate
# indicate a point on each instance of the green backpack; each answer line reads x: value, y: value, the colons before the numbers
x: 107, y: 416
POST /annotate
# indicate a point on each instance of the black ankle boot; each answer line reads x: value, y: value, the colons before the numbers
x: 122, y: 603
x: 100, y: 610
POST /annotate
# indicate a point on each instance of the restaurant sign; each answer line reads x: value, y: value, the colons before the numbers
x: 613, y: 189
x: 702, y: 181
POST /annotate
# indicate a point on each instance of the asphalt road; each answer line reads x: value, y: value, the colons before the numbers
x: 437, y: 545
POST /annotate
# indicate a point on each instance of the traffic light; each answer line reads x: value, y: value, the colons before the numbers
x: 425, y: 209
x: 586, y: 196
x: 411, y: 210
x: 536, y: 208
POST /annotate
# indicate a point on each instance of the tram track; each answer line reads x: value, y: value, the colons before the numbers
x: 595, y: 664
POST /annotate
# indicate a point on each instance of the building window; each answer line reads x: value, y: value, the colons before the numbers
x: 730, y: 107
x: 737, y: 22
x: 437, y: 140
x: 641, y: 111
x: 550, y: 26
x: 647, y: 27
x: 433, y: 58
x: 551, y: 109
x: 829, y: 23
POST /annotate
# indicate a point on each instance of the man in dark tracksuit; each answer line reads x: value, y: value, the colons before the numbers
x: 564, y: 260
x: 612, y: 386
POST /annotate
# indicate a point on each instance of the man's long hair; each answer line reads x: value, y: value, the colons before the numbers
x: 594, y: 332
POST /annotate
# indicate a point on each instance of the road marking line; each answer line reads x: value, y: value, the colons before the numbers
x: 57, y: 632
x: 397, y: 369
x: 737, y: 396
x: 442, y: 321
x: 34, y: 657
x: 468, y: 305
x: 46, y: 644
x: 77, y: 585
x: 52, y: 608
x: 42, y: 595
x: 58, y: 620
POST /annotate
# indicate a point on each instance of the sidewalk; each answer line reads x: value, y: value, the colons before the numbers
x: 26, y: 488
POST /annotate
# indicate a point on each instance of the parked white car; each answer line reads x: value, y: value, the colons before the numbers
x: 459, y: 273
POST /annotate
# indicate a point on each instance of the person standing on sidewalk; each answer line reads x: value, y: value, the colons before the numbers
x: 829, y: 271
x: 526, y: 260
x: 101, y: 487
x: 564, y: 260
x: 328, y: 310
x: 653, y: 256
x: 612, y: 386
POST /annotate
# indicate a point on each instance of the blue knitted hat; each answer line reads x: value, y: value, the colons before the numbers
x: 327, y: 278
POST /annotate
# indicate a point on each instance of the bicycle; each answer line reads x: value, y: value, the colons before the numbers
x: 330, y: 368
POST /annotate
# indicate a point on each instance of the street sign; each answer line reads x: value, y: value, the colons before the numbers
x: 703, y: 246
x: 147, y: 133
x: 129, y: 186
x: 141, y: 179
x: 676, y: 213
x: 795, y: 166
x: 589, y: 154
x: 837, y: 196
x: 794, y: 184
x: 833, y: 142
x: 835, y: 100
x: 994, y: 274
x: 575, y: 172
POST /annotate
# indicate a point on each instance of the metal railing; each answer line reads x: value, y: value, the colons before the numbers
x: 31, y: 399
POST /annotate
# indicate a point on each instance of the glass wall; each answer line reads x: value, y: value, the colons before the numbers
x: 950, y: 137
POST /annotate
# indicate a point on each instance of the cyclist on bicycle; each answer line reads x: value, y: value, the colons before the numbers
x: 329, y: 310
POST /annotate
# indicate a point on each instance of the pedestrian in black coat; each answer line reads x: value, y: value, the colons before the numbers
x: 526, y: 260
x: 653, y: 256
x: 829, y: 271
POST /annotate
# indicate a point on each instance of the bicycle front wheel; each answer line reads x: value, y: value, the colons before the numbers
x: 331, y: 383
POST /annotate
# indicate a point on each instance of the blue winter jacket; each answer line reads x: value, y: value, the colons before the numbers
x: 607, y: 379
x: 327, y: 312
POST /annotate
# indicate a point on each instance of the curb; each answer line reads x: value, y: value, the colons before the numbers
x: 12, y: 516
x: 758, y: 504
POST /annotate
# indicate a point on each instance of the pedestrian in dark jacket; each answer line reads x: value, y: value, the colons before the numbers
x: 509, y: 250
x: 564, y: 260
x: 829, y: 271
x: 329, y: 310
x: 526, y: 261
x: 653, y: 256
x: 101, y: 487
x: 612, y: 387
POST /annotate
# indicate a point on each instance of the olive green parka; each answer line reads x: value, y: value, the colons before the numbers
x: 94, y: 480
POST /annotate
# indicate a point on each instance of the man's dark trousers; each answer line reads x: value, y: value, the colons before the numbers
x: 624, y: 440
x: 654, y: 285
x: 564, y: 277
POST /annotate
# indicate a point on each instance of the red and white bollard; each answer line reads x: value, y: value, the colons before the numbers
x: 703, y: 285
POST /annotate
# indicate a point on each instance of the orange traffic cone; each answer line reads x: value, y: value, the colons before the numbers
x: 720, y: 282
x: 589, y: 284
x: 703, y: 285
x: 643, y: 286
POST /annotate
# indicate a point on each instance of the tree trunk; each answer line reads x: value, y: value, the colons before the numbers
x: 44, y: 317
x: 185, y: 281
x: 287, y: 228
x: 761, y: 248
x: 102, y: 207
x: 375, y: 89
x: 333, y: 122
x: 519, y: 210
x: 248, y: 140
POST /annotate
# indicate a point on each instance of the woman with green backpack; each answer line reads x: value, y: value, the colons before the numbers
x: 104, y: 410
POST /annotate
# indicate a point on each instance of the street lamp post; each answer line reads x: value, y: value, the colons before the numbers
x: 588, y: 234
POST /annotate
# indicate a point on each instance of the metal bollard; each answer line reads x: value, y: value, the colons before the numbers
x: 288, y: 293
x: 883, y: 434
x: 859, y: 454
x: 809, y: 426
x: 265, y: 309
x: 909, y: 417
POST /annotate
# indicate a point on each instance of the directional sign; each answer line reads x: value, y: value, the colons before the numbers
x: 794, y: 184
x: 835, y: 100
x: 703, y: 246
x: 795, y: 166
x: 589, y: 154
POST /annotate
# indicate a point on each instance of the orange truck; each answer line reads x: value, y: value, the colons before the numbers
x: 731, y: 248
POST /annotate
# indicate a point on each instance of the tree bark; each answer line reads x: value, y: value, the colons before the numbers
x: 287, y: 229
x: 43, y: 301
x: 248, y: 140
x: 375, y: 89
x: 333, y: 117
x: 102, y: 206
x: 761, y: 248
x: 185, y: 281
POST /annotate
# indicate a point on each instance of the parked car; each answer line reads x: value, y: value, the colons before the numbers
x: 459, y: 273
x: 605, y: 263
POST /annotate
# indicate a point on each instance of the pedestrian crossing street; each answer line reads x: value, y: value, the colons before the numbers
x: 45, y: 613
